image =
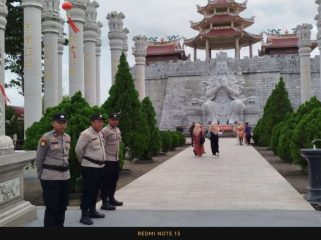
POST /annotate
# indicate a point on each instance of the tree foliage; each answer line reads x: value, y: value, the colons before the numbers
x: 14, y: 43
x: 275, y: 111
x: 123, y: 98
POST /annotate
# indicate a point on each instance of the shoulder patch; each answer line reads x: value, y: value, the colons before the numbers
x: 43, y: 142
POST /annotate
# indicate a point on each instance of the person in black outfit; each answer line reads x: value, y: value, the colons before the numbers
x: 214, y: 137
x: 191, y: 129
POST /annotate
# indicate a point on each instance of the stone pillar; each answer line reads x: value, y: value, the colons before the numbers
x: 304, y: 44
x: 61, y: 46
x: 50, y: 29
x: 207, y: 49
x: 90, y: 40
x: 125, y: 39
x: 140, y: 52
x: 98, y: 54
x: 251, y: 50
x: 32, y: 61
x: 116, y: 42
x: 76, y: 48
x: 237, y: 48
x: 318, y: 19
x: 195, y: 54
x: 3, y: 23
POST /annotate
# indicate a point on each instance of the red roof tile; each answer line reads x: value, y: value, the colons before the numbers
x: 161, y: 50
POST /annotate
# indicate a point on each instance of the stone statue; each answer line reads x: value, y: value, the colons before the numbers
x: 224, y: 102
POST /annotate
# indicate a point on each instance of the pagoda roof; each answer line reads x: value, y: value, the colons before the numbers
x: 283, y: 41
x: 223, y: 18
x: 222, y: 4
x: 163, y: 48
x: 223, y: 38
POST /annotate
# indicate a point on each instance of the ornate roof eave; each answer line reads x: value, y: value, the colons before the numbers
x: 210, y: 19
x: 253, y: 38
x: 227, y: 3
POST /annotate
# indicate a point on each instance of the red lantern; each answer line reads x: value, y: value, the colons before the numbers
x: 67, y: 6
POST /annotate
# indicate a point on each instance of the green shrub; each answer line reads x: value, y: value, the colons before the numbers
x: 175, y: 140
x: 275, y: 137
x: 166, y: 141
x: 308, y: 129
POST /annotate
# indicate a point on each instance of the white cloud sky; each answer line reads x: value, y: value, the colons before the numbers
x: 168, y: 17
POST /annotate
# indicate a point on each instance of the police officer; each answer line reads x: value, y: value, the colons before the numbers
x: 112, y: 136
x: 90, y: 151
x: 53, y: 171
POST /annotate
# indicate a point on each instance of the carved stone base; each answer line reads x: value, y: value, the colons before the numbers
x: 19, y: 215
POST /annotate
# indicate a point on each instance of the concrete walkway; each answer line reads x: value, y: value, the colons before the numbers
x: 237, y: 189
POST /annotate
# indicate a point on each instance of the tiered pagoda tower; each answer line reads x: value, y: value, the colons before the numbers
x: 222, y: 28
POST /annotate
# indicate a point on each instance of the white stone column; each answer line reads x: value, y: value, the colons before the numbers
x: 304, y: 44
x: 125, y: 39
x: 50, y: 30
x: 98, y: 54
x: 32, y: 61
x: 116, y: 42
x: 61, y: 46
x: 207, y: 49
x: 318, y: 19
x: 251, y: 50
x: 3, y: 23
x: 76, y: 48
x: 140, y: 52
x: 90, y: 39
x: 237, y: 48
x: 195, y: 54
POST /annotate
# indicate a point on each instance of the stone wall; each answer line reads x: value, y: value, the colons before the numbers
x: 177, y: 88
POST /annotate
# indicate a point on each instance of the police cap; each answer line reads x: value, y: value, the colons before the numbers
x: 97, y: 117
x: 114, y: 116
x: 60, y: 117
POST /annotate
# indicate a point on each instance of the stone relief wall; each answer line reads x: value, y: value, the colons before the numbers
x: 177, y: 88
x: 9, y: 190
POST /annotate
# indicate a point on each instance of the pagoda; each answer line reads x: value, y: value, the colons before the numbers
x: 222, y: 28
x: 281, y: 44
x: 163, y: 50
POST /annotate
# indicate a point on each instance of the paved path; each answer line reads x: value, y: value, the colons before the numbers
x: 237, y: 189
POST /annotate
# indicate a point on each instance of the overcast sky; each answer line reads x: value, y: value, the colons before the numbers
x: 172, y: 17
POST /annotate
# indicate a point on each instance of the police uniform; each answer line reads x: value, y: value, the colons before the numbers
x: 112, y: 137
x: 90, y: 151
x: 53, y: 172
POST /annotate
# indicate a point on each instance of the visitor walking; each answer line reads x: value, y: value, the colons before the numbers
x: 248, y: 133
x: 214, y: 137
x: 53, y: 171
x: 198, y: 139
x: 191, y: 129
x: 240, y: 132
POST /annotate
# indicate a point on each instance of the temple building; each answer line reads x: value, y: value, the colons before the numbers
x: 281, y: 44
x: 222, y: 28
x: 165, y: 51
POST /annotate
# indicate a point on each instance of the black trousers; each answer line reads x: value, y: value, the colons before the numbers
x: 91, y: 182
x: 110, y: 177
x: 214, y: 144
x: 248, y: 139
x: 55, y: 196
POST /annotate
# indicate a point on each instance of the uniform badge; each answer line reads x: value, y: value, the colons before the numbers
x: 43, y: 142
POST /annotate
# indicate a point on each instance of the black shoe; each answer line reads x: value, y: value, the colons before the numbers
x: 107, y: 206
x: 95, y: 214
x: 115, y: 202
x: 86, y: 220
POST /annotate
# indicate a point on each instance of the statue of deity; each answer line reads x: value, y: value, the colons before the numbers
x: 224, y: 102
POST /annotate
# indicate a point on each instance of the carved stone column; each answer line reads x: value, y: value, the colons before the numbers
x: 90, y: 39
x: 76, y: 48
x: 50, y: 29
x: 125, y: 39
x: 318, y: 20
x: 3, y: 23
x: 61, y: 46
x: 32, y: 61
x: 304, y: 44
x: 140, y: 52
x: 98, y: 54
x: 116, y: 42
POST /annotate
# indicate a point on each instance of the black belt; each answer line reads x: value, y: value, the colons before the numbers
x: 95, y: 161
x: 56, y: 168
